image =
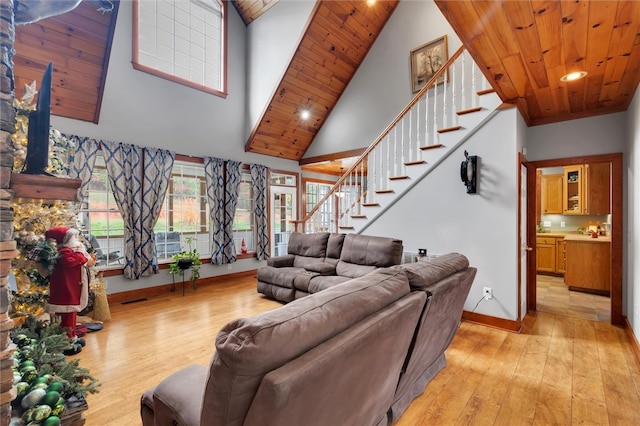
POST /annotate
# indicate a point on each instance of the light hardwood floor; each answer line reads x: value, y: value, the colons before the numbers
x: 559, y: 370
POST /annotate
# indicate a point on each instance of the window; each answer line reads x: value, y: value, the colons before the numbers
x: 283, y: 210
x: 183, y: 41
x: 185, y: 213
x: 314, y: 192
x: 244, y: 218
x: 100, y: 220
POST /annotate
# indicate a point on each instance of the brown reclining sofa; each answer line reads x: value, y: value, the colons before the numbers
x: 356, y: 353
x: 315, y: 262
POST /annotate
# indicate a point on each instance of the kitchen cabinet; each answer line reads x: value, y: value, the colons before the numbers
x: 560, y: 256
x: 588, y: 264
x: 597, y: 188
x: 552, y: 190
x: 546, y: 256
x: 587, y: 189
x: 573, y: 186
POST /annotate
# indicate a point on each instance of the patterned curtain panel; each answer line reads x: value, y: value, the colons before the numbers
x: 231, y: 201
x: 158, y: 164
x: 259, y: 183
x: 84, y: 158
x: 214, y: 173
x: 124, y: 166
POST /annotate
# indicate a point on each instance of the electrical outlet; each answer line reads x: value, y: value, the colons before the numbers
x: 229, y: 266
x: 487, y: 292
x: 562, y: 224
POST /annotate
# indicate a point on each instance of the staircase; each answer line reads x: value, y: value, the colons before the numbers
x: 445, y: 113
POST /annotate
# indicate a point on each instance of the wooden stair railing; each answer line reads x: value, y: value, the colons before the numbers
x: 455, y: 87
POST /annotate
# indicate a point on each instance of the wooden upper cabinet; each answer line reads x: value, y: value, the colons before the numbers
x: 572, y: 194
x: 597, y: 188
x: 552, y: 188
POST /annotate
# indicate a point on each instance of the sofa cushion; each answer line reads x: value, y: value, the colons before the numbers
x: 283, y: 277
x: 303, y: 261
x: 352, y: 270
x: 310, y: 245
x: 322, y: 268
x: 320, y: 282
x: 334, y: 245
x: 429, y: 271
x: 370, y: 250
x: 249, y: 348
x: 281, y: 261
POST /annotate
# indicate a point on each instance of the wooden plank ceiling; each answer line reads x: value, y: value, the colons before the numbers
x: 78, y: 43
x: 335, y: 42
x: 525, y: 46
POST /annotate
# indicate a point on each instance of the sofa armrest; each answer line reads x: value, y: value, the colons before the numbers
x: 170, y: 403
x: 321, y: 268
x: 281, y: 261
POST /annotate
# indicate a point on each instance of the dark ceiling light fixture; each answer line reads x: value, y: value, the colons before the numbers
x: 469, y: 171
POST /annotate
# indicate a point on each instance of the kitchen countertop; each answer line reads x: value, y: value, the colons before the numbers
x: 573, y: 236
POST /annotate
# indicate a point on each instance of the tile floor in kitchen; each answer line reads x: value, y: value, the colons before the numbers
x: 554, y: 297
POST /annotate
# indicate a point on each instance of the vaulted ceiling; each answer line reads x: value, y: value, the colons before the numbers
x: 524, y: 47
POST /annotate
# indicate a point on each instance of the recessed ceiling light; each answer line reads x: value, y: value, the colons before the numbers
x: 305, y: 114
x: 573, y: 76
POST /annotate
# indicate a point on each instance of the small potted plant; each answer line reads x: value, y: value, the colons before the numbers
x: 184, y: 260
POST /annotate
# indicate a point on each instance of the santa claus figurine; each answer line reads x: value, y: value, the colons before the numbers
x: 69, y: 283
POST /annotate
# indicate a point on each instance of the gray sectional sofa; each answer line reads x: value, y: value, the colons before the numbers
x: 315, y: 262
x: 356, y: 353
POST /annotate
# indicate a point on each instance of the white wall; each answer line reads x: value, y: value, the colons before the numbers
x: 141, y: 109
x: 440, y: 216
x: 382, y: 85
x: 271, y: 42
x: 603, y: 134
x: 146, y: 110
x: 632, y: 175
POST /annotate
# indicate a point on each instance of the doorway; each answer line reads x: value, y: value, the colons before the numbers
x: 283, y: 213
x: 615, y: 261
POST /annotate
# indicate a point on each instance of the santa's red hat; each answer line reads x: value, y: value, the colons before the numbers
x: 61, y: 234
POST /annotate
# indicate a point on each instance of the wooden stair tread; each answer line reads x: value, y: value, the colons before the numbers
x: 370, y: 205
x: 425, y: 147
x: 486, y: 92
x: 469, y: 111
x: 413, y: 163
x: 384, y: 191
x: 449, y: 129
x: 398, y: 177
x: 358, y: 216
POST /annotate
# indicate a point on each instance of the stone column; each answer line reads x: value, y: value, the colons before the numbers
x: 7, y: 244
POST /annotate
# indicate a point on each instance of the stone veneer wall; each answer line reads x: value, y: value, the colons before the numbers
x: 7, y: 244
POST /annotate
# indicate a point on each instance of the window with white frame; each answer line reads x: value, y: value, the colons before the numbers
x: 183, y: 41
x: 244, y: 218
x: 185, y: 213
x: 314, y: 192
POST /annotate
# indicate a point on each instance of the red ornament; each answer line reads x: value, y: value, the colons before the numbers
x: 243, y: 247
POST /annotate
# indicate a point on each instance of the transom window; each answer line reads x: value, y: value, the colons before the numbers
x: 183, y: 41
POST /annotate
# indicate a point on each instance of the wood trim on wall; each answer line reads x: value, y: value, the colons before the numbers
x: 334, y: 156
x: 495, y: 322
x: 133, y: 295
x: 633, y: 341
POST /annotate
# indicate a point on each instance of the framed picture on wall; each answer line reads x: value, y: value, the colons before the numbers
x: 426, y: 60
